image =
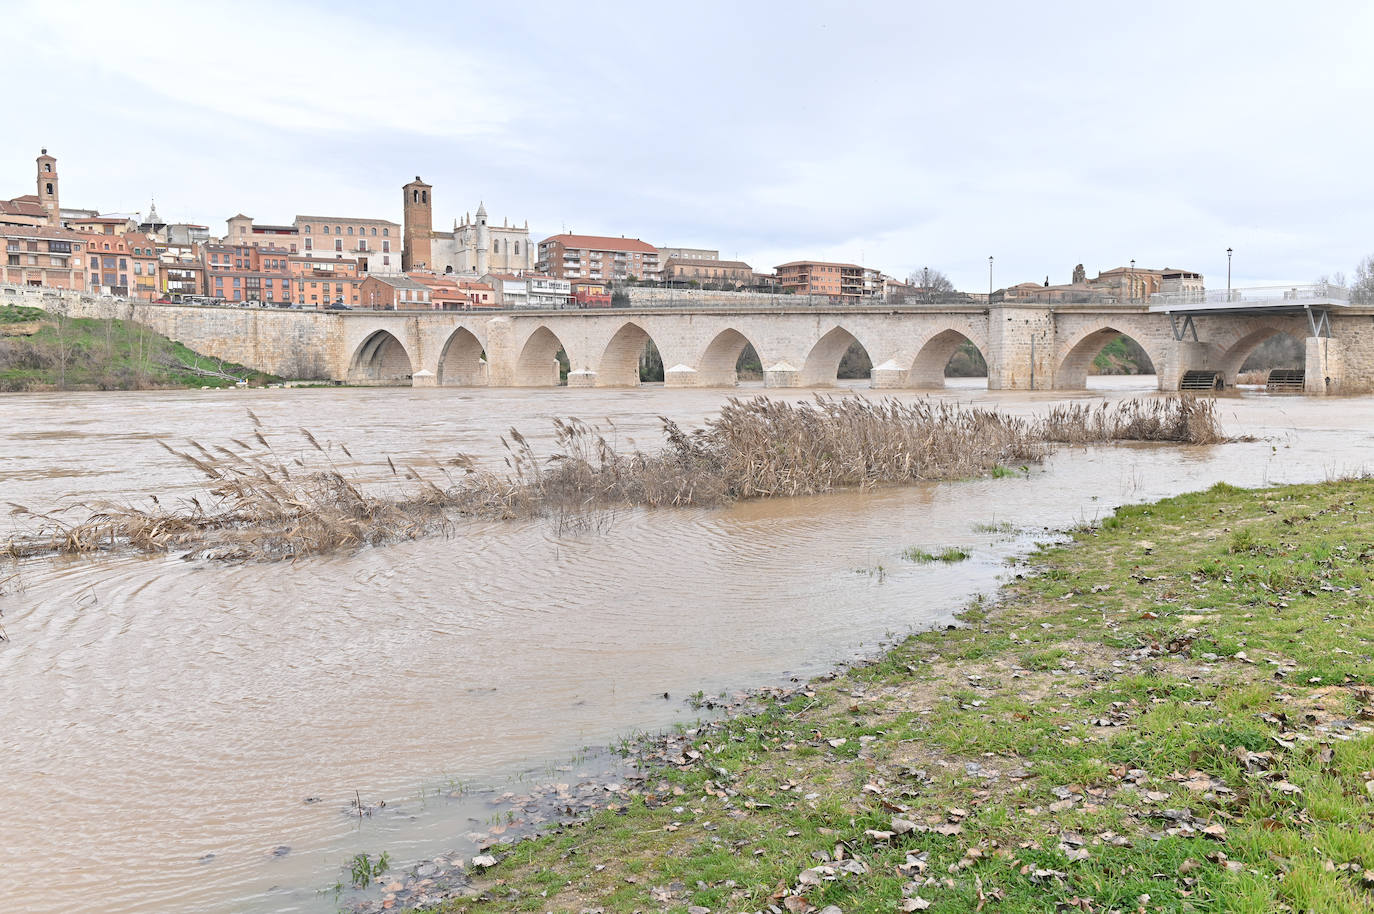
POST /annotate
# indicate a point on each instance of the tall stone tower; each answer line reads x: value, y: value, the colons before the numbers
x: 483, y: 238
x: 418, y: 226
x: 47, y: 188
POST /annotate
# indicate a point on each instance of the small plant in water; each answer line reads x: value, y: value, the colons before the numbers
x: 362, y: 870
x: 995, y: 527
x: 949, y: 554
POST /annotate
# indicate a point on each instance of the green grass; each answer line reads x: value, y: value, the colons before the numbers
x: 1204, y: 662
x: 18, y: 314
x: 949, y: 554
x: 89, y: 353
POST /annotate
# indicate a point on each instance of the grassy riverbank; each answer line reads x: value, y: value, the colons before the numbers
x: 43, y: 351
x: 1172, y: 713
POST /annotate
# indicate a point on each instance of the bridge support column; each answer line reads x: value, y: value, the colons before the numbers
x: 502, y: 355
x: 680, y: 376
x: 1188, y: 355
x: 1021, y: 348
x: 582, y: 377
x: 781, y: 374
x: 1324, y: 368
x: 424, y: 378
x: 887, y: 376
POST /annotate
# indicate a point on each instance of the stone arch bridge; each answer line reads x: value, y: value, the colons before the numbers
x: 1031, y: 346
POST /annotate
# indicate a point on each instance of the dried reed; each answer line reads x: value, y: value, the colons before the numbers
x: 262, y: 507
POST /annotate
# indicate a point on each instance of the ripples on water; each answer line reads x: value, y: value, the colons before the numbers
x: 158, y: 710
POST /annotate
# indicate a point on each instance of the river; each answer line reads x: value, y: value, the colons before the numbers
x: 164, y: 721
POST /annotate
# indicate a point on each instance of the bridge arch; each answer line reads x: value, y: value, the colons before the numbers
x: 462, y: 361
x: 538, y: 364
x: 380, y: 359
x: 716, y: 368
x: 933, y: 358
x: 1077, y: 354
x: 822, y: 365
x: 1234, y: 356
x: 619, y: 363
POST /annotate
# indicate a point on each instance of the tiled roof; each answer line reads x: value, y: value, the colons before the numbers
x: 353, y: 219
x: 21, y: 207
x: 602, y: 243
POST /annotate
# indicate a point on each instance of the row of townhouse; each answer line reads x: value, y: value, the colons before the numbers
x: 316, y: 261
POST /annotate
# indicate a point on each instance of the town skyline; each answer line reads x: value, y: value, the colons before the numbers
x: 1043, y: 139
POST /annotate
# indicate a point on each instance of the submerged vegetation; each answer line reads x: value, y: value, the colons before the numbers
x: 1173, y: 713
x: 261, y: 504
x: 949, y: 555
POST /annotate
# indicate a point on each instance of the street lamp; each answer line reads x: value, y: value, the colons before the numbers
x: 1132, y: 279
x: 989, y: 279
x: 1228, y: 274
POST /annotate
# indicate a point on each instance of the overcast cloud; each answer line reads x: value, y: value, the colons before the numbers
x: 899, y: 135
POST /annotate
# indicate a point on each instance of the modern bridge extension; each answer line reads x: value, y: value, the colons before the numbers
x: 1028, y: 346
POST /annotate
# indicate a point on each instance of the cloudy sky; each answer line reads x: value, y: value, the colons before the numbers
x: 899, y: 135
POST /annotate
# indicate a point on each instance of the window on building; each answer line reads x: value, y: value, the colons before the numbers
x: 517, y: 249
x: 308, y: 244
x: 47, y: 166
x: 386, y: 245
x: 386, y: 231
x: 338, y: 244
x: 49, y: 188
x: 362, y: 244
x: 386, y: 261
x: 123, y: 264
x: 307, y: 230
x: 338, y: 230
x: 424, y: 195
x: 350, y: 230
x: 374, y: 230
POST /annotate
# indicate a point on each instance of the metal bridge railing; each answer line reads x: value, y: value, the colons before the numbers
x: 1324, y: 292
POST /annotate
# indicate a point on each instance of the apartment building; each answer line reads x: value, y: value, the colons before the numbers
x: 847, y: 281
x: 35, y: 255
x: 689, y: 253
x: 598, y: 257
x: 123, y: 264
x: 707, y: 271
x: 247, y: 273
x: 374, y: 243
x: 322, y: 281
x: 243, y: 230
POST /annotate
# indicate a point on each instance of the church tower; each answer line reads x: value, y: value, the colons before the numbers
x: 47, y: 188
x: 418, y: 226
x: 483, y: 241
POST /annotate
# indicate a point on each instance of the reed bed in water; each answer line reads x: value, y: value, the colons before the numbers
x: 259, y: 505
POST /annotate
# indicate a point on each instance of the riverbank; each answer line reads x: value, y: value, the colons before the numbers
x: 1172, y: 712
x: 40, y: 351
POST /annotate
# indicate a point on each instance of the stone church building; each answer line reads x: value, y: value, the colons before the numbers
x: 474, y: 247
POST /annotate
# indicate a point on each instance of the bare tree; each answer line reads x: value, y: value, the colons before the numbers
x: 930, y: 281
x: 1362, y: 289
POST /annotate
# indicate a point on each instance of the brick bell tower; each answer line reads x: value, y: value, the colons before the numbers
x: 418, y: 226
x: 47, y: 188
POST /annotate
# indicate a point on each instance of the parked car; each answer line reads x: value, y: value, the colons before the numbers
x: 337, y: 306
x: 162, y: 301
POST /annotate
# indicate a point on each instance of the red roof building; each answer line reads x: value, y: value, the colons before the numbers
x: 598, y: 257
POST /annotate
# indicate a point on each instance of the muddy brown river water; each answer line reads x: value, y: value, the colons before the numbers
x: 163, y: 721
